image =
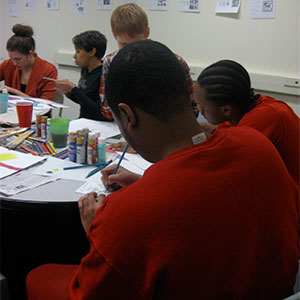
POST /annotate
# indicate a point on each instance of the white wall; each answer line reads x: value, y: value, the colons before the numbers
x: 264, y: 46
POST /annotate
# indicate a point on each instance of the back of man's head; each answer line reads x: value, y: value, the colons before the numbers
x: 147, y: 75
x: 129, y: 19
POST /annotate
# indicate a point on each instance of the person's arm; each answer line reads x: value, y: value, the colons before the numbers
x: 47, y: 87
x: 13, y: 91
x: 105, y: 110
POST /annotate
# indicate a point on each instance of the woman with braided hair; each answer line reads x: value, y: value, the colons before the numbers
x: 23, y: 73
x: 225, y: 98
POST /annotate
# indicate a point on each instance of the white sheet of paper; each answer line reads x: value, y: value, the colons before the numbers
x: 54, y: 167
x: 228, y: 6
x: 22, y: 181
x: 14, y: 99
x: 103, y: 4
x: 158, y: 4
x: 13, y: 161
x: 30, y: 4
x: 78, y: 7
x: 12, y: 7
x: 93, y: 184
x: 107, y: 129
x: 189, y: 6
x: 53, y: 4
x: 261, y: 9
x: 138, y: 161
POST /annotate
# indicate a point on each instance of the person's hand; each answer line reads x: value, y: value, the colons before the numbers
x: 88, y: 206
x: 122, y: 178
x: 120, y: 147
x: 208, y: 127
x: 64, y: 85
x: 11, y: 90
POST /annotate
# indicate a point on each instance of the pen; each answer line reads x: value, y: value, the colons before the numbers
x: 98, y: 169
x: 118, y: 165
x: 48, y: 78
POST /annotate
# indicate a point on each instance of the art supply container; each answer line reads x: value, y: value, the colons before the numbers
x: 101, y: 151
x: 3, y: 102
x: 59, y: 128
x: 24, y: 110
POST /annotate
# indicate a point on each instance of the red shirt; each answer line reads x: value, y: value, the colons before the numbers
x: 37, y: 86
x: 278, y: 122
x: 215, y: 220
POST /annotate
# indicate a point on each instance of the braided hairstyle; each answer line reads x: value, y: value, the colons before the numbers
x: 22, y: 40
x: 227, y: 83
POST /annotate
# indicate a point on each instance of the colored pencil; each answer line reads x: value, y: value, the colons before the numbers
x: 98, y: 169
x: 118, y: 165
x: 52, y: 147
x: 28, y: 150
x: 84, y: 166
x: 19, y: 140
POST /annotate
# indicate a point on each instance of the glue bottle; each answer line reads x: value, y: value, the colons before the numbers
x: 102, y: 151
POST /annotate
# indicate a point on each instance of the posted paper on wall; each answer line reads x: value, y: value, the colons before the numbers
x: 12, y: 7
x: 228, y: 6
x: 158, y: 4
x: 78, y: 7
x: 30, y: 4
x: 103, y: 4
x: 262, y: 9
x: 189, y: 6
x: 53, y: 4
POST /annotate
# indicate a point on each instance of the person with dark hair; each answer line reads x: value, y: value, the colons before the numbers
x: 225, y: 97
x: 194, y: 225
x: 90, y: 47
x: 23, y: 73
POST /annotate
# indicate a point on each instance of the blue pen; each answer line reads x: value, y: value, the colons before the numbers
x: 98, y: 169
x: 118, y: 165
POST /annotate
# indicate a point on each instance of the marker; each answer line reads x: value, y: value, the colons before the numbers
x: 48, y: 78
x: 98, y: 169
x: 118, y: 165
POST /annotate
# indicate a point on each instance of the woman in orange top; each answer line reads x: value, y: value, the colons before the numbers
x: 23, y: 73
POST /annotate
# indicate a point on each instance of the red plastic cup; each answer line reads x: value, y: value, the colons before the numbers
x: 24, y: 110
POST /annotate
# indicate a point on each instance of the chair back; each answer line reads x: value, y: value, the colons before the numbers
x: 59, y: 98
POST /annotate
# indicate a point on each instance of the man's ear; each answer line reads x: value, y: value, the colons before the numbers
x: 227, y: 110
x: 92, y: 52
x: 127, y: 116
x: 148, y: 32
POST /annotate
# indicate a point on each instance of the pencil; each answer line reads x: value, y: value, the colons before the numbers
x: 98, y: 169
x: 84, y: 166
x: 28, y: 150
x: 118, y: 165
x: 52, y: 147
x: 48, y: 78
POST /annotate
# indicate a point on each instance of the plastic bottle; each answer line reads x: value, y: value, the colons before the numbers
x: 38, y: 125
x: 80, y: 150
x: 102, y: 151
x: 72, y: 148
x: 44, y: 120
x: 92, y: 151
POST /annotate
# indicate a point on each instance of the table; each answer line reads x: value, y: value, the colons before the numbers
x: 43, y: 225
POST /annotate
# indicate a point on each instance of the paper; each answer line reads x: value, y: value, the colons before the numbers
x: 53, y: 4
x: 158, y: 4
x: 103, y: 4
x: 30, y: 4
x: 228, y: 6
x: 262, y: 9
x: 138, y: 161
x: 107, y: 129
x: 22, y: 181
x: 94, y: 184
x: 78, y: 7
x: 14, y: 161
x: 15, y: 99
x: 189, y: 6
x: 12, y: 6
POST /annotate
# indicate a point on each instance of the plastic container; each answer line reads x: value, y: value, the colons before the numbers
x: 102, y: 151
x: 59, y: 128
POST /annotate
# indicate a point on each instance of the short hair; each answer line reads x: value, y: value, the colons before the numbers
x: 91, y: 39
x: 22, y: 40
x: 226, y: 82
x: 129, y: 19
x: 147, y: 75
